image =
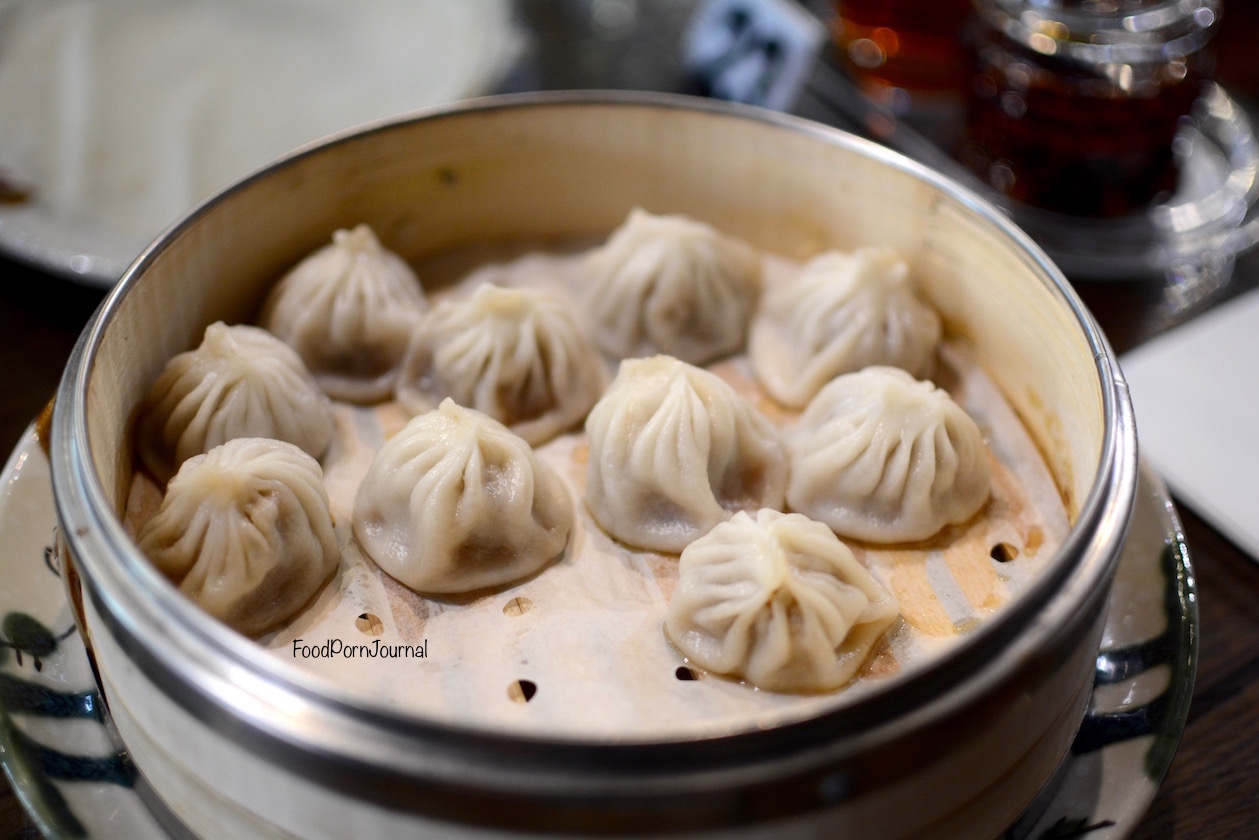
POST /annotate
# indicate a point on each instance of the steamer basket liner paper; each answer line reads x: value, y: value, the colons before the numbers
x: 587, y: 631
x: 118, y: 117
x: 1195, y: 391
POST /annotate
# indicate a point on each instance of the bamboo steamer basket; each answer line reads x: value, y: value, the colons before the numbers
x: 240, y: 744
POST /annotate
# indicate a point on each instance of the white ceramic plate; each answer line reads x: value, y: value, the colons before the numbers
x: 120, y: 117
x: 71, y: 771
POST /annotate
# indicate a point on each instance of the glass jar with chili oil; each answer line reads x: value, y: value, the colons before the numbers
x: 1075, y: 103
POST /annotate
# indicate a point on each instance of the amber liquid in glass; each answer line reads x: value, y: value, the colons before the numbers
x: 1086, y: 141
x: 911, y: 45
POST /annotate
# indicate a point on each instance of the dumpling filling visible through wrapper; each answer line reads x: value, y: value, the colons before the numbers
x: 672, y: 285
x: 517, y: 355
x: 241, y: 381
x: 455, y: 502
x: 348, y: 309
x: 674, y: 450
x: 245, y: 531
x: 883, y: 457
x: 777, y: 600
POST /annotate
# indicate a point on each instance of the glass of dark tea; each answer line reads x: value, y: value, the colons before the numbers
x: 1074, y: 104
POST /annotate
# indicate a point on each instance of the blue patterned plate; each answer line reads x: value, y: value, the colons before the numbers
x: 72, y: 773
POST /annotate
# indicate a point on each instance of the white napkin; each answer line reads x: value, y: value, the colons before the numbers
x: 1196, y: 394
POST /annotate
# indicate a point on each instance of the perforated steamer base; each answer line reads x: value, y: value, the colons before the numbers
x: 578, y: 651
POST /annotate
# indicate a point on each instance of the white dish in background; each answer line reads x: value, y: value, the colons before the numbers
x: 1140, y: 697
x: 120, y: 117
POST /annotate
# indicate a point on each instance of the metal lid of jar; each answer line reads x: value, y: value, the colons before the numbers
x: 1101, y: 32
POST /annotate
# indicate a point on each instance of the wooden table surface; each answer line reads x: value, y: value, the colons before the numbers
x: 1212, y: 790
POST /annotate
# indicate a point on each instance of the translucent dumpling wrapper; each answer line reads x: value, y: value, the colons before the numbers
x: 240, y: 382
x: 455, y: 502
x: 842, y: 312
x: 516, y: 355
x: 883, y: 457
x: 672, y: 285
x: 778, y: 600
x: 674, y: 450
x: 245, y: 531
x: 348, y: 309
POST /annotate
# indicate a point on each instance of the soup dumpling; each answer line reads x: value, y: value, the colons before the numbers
x: 778, y: 600
x: 516, y: 355
x: 245, y: 531
x: 673, y: 451
x: 672, y: 285
x: 240, y: 382
x: 455, y: 502
x: 348, y: 310
x: 883, y: 457
x: 842, y: 312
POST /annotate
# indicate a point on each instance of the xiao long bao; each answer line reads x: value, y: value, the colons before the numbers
x: 883, y: 457
x: 517, y: 355
x: 348, y: 310
x: 778, y: 600
x: 455, y: 502
x: 842, y: 312
x: 245, y: 531
x: 674, y: 450
x: 240, y: 382
x: 671, y: 285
